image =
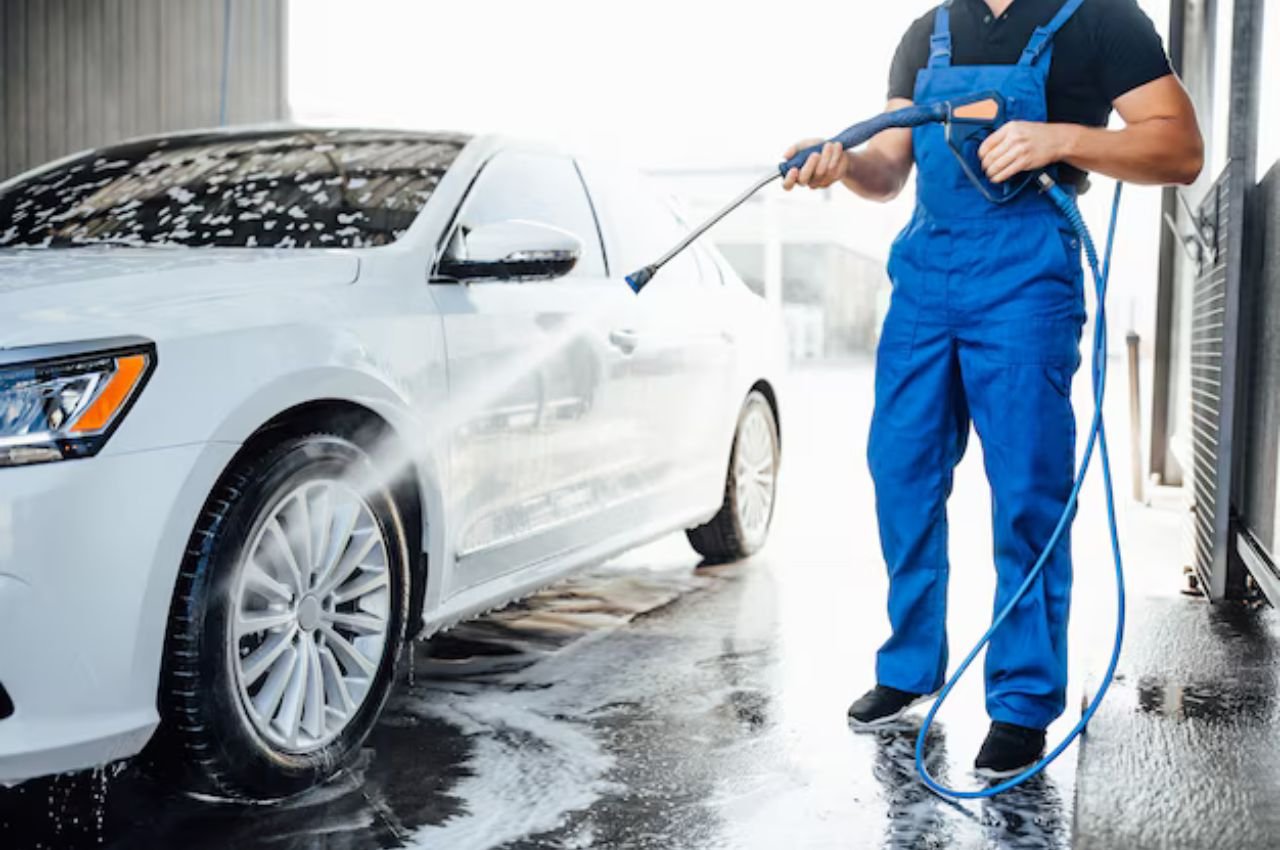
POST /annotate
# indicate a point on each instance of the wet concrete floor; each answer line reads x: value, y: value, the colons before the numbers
x: 1184, y: 753
x: 651, y: 703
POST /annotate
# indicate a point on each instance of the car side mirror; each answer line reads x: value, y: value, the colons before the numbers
x: 510, y: 250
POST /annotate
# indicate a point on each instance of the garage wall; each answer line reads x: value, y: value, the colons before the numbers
x: 1260, y: 511
x: 76, y: 74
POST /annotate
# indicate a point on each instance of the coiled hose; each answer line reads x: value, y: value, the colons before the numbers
x: 1097, y: 437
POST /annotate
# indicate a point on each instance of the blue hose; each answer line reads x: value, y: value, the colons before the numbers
x: 1097, y: 436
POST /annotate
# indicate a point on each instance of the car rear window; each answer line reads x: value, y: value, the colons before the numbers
x: 279, y: 189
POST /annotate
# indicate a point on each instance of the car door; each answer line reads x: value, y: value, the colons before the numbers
x: 529, y: 364
x: 684, y: 347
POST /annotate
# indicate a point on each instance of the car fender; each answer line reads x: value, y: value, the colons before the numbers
x: 375, y: 393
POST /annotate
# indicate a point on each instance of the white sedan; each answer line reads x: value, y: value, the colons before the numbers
x: 274, y: 401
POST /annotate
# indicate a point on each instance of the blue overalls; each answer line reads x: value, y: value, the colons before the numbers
x: 984, y: 326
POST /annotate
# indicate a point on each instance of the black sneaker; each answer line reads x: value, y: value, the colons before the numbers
x: 1008, y: 750
x: 881, y: 706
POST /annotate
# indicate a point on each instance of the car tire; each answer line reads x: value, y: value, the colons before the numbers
x: 741, y: 526
x: 287, y: 621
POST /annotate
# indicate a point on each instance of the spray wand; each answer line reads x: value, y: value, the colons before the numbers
x: 964, y: 118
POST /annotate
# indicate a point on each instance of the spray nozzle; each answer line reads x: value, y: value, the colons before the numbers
x: 637, y: 279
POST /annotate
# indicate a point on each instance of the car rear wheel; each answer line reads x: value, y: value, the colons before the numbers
x: 288, y: 620
x: 742, y: 524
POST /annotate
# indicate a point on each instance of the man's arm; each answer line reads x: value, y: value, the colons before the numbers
x: 877, y: 172
x: 1159, y: 144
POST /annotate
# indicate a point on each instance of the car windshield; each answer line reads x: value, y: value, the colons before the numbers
x: 277, y: 189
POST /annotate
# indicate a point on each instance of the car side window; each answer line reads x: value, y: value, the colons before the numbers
x: 638, y: 223
x: 543, y: 188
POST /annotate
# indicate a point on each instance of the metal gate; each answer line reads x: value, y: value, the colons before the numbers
x: 1220, y: 307
x: 1214, y: 324
x: 1210, y: 474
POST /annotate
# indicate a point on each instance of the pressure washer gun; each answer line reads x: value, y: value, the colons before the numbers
x: 968, y: 121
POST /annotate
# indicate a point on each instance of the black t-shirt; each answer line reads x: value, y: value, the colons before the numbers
x: 1107, y: 48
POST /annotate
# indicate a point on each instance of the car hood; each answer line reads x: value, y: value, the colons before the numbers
x: 55, y: 295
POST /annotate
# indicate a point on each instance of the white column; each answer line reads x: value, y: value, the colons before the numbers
x: 772, y: 253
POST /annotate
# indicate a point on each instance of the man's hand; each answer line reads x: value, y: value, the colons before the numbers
x: 820, y: 170
x: 1023, y: 146
x: 876, y: 171
x: 1159, y: 144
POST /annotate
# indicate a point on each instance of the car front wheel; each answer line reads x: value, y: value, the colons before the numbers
x: 741, y: 526
x: 288, y: 619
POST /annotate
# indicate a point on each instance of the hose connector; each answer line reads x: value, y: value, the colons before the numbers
x: 1067, y: 206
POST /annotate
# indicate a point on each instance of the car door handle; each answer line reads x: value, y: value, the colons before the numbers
x: 624, y: 339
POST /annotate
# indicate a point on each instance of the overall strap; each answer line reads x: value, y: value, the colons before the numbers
x: 1043, y: 36
x: 940, y: 41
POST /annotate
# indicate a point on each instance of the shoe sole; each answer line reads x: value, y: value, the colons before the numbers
x: 889, y: 719
x: 991, y: 773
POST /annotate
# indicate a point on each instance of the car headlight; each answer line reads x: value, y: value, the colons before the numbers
x: 61, y: 402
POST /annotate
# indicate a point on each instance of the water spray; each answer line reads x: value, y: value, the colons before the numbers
x: 967, y: 120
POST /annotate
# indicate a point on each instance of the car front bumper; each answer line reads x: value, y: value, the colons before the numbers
x: 89, y: 553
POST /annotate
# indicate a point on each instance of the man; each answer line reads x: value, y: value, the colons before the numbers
x: 984, y: 324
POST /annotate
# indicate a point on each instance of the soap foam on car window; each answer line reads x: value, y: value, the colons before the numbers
x: 281, y: 189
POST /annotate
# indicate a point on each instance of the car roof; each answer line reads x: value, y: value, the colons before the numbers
x: 265, y: 132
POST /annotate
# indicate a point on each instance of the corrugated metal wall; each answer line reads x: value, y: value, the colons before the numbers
x: 76, y: 74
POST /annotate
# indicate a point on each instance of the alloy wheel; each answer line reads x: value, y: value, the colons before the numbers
x: 310, y: 615
x: 755, y: 473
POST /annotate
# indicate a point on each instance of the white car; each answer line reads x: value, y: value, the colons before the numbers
x: 273, y: 401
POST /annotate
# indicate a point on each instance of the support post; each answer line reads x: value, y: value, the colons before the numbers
x: 1132, y: 341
